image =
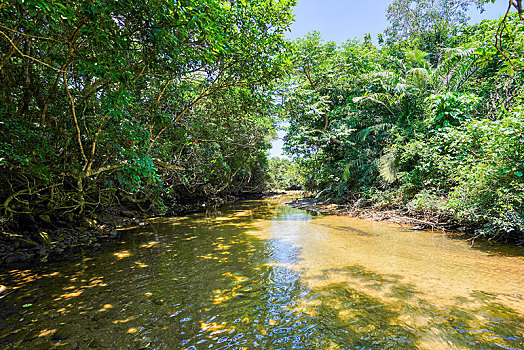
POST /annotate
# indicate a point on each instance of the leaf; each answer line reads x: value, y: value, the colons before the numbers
x: 387, y: 168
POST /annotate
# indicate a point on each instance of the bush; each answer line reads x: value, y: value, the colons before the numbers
x: 451, y: 108
x: 491, y: 184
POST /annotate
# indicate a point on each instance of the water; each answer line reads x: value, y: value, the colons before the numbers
x: 262, y: 276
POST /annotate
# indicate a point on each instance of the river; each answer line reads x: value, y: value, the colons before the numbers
x: 259, y: 275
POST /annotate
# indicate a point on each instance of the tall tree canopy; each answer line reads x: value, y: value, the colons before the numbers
x: 429, y: 22
x: 97, y: 96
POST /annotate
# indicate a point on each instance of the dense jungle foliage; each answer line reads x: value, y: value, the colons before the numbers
x: 119, y: 104
x: 142, y: 104
x: 284, y: 174
x: 431, y: 119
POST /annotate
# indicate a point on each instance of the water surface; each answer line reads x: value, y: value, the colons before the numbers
x: 261, y: 275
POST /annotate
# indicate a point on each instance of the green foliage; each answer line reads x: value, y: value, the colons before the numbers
x: 437, y: 131
x: 450, y: 109
x: 152, y: 101
x: 283, y: 174
x: 491, y: 184
x: 429, y: 24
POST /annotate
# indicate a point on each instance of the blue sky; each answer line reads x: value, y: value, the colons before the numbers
x: 339, y: 20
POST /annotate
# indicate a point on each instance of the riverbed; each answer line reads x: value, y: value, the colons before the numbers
x: 260, y: 275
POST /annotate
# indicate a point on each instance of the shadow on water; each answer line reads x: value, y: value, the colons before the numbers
x: 496, y: 249
x: 408, y: 321
x: 202, y: 282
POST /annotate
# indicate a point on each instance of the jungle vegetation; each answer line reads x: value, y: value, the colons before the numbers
x: 430, y: 120
x: 148, y: 104
x: 125, y: 103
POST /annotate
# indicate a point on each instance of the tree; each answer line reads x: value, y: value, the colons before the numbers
x: 431, y: 23
x: 98, y: 98
x: 517, y: 4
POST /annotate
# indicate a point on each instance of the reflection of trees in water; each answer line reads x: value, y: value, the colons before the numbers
x: 196, y: 281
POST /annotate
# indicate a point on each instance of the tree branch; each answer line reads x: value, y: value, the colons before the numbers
x: 165, y: 165
x: 78, y: 134
x: 27, y: 56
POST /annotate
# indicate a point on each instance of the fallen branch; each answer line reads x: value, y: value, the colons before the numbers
x: 472, y: 239
x: 432, y: 224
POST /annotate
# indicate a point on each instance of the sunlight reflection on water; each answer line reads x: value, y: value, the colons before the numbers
x: 259, y: 275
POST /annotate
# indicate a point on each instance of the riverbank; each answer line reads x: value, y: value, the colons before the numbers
x: 53, y: 241
x: 403, y: 217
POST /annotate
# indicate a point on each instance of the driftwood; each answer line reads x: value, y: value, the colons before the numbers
x: 432, y: 224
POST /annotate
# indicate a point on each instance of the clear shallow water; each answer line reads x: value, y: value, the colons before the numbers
x: 259, y: 275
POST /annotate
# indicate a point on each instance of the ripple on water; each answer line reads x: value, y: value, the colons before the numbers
x: 257, y: 276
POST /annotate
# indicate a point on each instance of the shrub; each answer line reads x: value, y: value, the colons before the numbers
x: 450, y: 108
x: 491, y: 184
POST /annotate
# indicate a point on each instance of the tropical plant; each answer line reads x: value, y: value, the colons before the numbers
x: 106, y: 101
x: 436, y: 131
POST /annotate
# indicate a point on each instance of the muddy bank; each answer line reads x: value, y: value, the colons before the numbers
x: 58, y: 239
x: 52, y: 240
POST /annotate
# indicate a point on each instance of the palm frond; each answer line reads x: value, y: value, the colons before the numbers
x: 420, y: 72
x: 417, y: 58
x: 351, y: 169
x: 368, y: 98
x: 461, y: 51
x: 420, y: 78
x: 387, y: 168
x: 376, y: 129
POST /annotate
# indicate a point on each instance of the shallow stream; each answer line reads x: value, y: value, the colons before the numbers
x: 258, y: 275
